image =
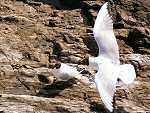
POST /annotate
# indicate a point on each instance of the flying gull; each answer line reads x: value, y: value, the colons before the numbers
x: 107, y: 62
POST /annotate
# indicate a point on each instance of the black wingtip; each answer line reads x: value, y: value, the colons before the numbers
x: 111, y: 2
x: 57, y: 65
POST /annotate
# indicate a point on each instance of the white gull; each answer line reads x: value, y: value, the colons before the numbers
x: 107, y: 62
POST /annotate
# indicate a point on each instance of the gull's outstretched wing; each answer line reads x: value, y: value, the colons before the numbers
x: 104, y: 35
x: 105, y: 80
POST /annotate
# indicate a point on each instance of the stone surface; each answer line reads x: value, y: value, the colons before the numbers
x: 35, y: 34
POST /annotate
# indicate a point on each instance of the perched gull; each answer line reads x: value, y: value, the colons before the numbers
x: 107, y: 62
x: 65, y: 72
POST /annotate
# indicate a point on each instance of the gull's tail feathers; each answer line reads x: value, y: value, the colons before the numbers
x: 127, y: 73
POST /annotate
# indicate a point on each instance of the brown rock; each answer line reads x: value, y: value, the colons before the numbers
x: 35, y: 36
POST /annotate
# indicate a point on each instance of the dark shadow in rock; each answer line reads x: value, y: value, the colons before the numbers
x: 31, y: 2
x: 98, y: 108
x: 62, y: 110
x: 138, y: 41
x: 88, y: 18
x: 118, y: 24
x: 58, y: 4
x: 43, y: 78
x: 95, y: 7
x: 65, y: 4
x: 55, y: 89
x: 91, y: 44
x: 68, y: 5
x: 56, y: 49
x: 120, y: 110
x: 75, y: 4
x: 2, y: 112
x: 89, y: 21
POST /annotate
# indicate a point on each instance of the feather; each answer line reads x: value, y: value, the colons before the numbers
x: 127, y: 73
x: 104, y: 35
x: 107, y: 62
x: 106, y: 79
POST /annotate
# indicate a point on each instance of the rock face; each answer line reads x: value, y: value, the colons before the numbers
x: 36, y: 34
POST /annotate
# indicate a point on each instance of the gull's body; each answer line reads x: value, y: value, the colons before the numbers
x: 107, y: 62
x: 65, y: 72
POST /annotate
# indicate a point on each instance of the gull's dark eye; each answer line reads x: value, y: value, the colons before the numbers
x: 57, y: 65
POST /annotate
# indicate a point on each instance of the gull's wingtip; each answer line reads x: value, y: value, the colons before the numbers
x: 103, y: 20
x: 105, y: 5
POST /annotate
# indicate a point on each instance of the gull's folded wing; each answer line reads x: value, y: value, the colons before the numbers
x: 104, y: 35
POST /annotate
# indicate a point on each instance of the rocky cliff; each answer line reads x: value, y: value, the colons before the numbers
x: 36, y: 34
